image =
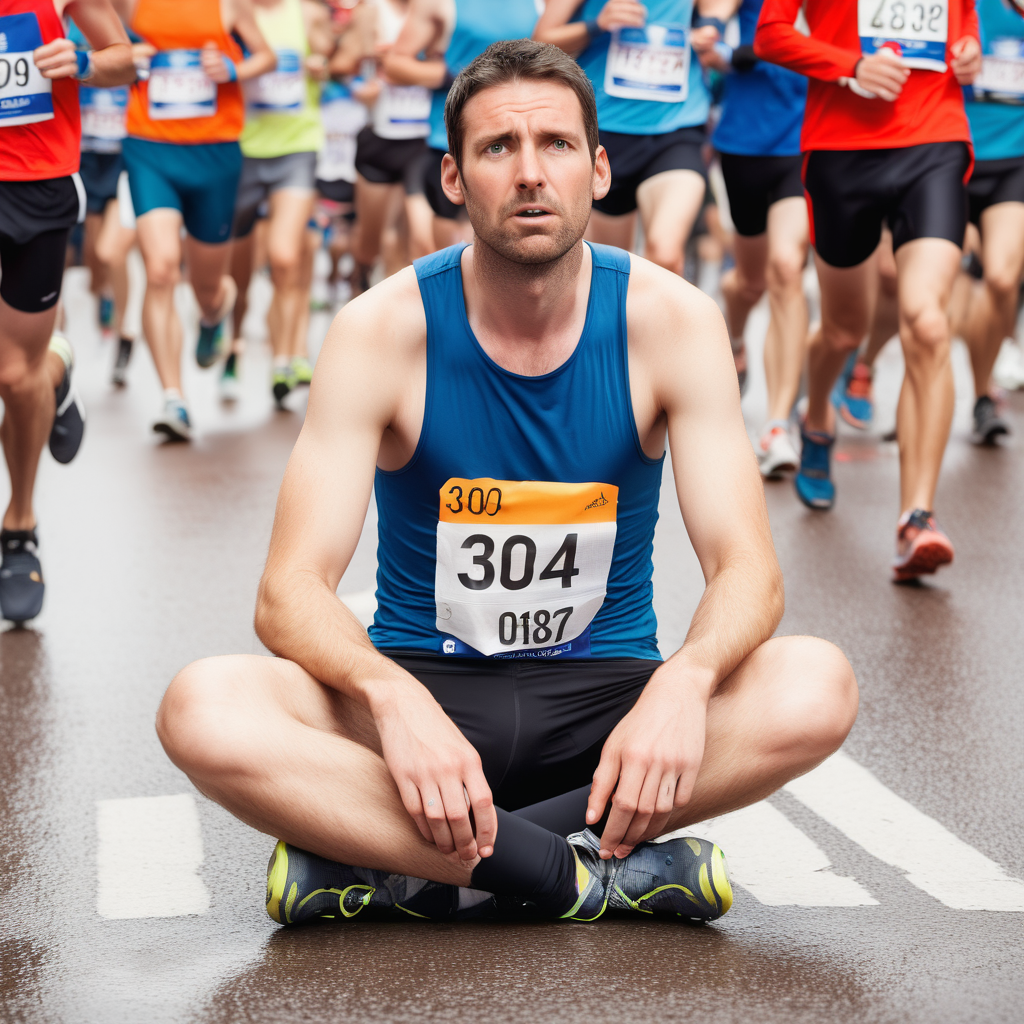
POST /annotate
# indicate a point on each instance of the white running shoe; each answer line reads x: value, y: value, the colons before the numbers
x: 174, y: 422
x: 1009, y: 369
x: 775, y: 450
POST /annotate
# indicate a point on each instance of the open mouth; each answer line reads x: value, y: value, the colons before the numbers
x: 533, y: 211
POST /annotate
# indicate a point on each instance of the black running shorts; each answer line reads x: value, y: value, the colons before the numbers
x: 755, y: 183
x: 995, y: 181
x: 35, y: 218
x: 339, y: 191
x: 635, y: 158
x: 918, y: 191
x: 100, y: 172
x: 389, y: 161
x: 430, y: 170
x: 538, y: 725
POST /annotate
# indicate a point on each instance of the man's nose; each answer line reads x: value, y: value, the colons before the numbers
x: 529, y: 176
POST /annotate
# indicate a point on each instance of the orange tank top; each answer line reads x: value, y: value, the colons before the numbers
x: 179, y: 103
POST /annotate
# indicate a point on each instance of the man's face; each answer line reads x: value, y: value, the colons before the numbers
x: 527, y: 179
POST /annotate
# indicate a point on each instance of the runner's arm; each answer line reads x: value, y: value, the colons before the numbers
x: 261, y: 57
x: 778, y: 41
x: 352, y: 47
x: 320, y: 512
x: 111, y: 54
x: 318, y: 28
x: 556, y: 26
x: 426, y: 25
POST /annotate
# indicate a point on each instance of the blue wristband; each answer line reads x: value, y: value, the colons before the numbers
x: 85, y: 66
x: 593, y: 29
x: 699, y: 21
x: 232, y: 70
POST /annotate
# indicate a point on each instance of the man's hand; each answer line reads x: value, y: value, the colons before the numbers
x: 703, y: 39
x: 439, y: 776
x: 57, y: 59
x: 216, y: 66
x: 621, y: 14
x: 882, y: 74
x: 650, y: 761
x: 966, y: 59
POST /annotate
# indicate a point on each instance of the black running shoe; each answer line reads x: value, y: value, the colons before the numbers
x: 124, y: 354
x: 69, y: 422
x: 21, y: 576
x: 988, y: 424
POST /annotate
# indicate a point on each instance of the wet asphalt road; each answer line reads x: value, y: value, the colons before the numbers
x: 152, y: 555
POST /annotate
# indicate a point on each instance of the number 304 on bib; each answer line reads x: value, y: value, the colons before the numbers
x: 522, y: 565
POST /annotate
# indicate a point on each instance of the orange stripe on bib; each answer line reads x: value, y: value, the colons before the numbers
x: 515, y: 502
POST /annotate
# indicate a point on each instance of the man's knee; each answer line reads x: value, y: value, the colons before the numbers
x: 927, y: 333
x: 1001, y: 282
x: 162, y: 271
x: 666, y: 252
x: 842, y: 337
x: 785, y: 272
x: 743, y: 286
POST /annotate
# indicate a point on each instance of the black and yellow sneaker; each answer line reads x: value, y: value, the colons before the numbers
x: 591, y: 872
x: 685, y: 877
x: 303, y: 887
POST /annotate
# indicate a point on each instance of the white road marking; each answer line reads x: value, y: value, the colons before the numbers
x: 149, y: 855
x: 777, y: 863
x: 363, y: 604
x: 893, y: 830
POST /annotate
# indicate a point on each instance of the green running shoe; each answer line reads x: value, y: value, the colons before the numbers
x: 281, y: 383
x: 683, y: 877
x: 302, y: 372
x: 302, y: 887
x: 591, y: 874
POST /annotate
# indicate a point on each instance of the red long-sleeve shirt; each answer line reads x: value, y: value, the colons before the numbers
x: 930, y: 108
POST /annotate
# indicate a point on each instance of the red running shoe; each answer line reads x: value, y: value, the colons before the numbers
x: 921, y: 547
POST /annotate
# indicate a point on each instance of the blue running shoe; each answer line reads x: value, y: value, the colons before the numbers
x: 211, y: 336
x: 852, y: 394
x: 814, y: 485
x: 843, y: 380
x: 106, y: 312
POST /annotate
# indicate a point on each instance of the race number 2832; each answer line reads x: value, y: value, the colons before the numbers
x: 522, y: 565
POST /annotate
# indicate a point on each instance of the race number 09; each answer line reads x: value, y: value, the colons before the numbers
x: 19, y: 71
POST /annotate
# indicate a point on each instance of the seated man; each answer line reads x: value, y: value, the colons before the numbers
x: 515, y: 397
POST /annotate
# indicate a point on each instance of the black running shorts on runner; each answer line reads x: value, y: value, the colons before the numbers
x: 389, y: 161
x: 918, y: 191
x: 992, y: 182
x: 339, y: 191
x: 99, y: 173
x: 755, y: 183
x: 35, y: 218
x: 538, y: 725
x: 430, y: 168
x: 635, y: 158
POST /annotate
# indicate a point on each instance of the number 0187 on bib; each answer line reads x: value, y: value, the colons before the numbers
x: 522, y: 566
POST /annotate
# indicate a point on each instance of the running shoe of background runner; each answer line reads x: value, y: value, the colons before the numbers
x: 282, y: 381
x: 211, y: 336
x: 69, y: 421
x: 682, y: 877
x: 775, y: 451
x: 229, y: 388
x: 302, y: 372
x: 174, y: 422
x: 988, y: 424
x: 591, y: 875
x: 302, y: 887
x: 851, y: 394
x: 813, y: 482
x: 119, y: 375
x: 921, y: 547
x: 106, y: 312
x: 21, y: 576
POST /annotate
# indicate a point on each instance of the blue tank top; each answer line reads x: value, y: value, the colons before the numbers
x: 478, y: 23
x: 997, y: 116
x: 647, y: 81
x: 763, y: 108
x: 523, y: 524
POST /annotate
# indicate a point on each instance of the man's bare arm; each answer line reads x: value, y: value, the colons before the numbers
x: 427, y: 24
x: 554, y: 25
x: 111, y: 52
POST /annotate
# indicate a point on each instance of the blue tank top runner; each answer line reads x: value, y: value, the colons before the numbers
x: 478, y: 23
x: 647, y: 80
x: 523, y: 525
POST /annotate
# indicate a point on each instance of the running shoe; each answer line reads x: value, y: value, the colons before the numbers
x: 211, y: 336
x: 591, y: 874
x: 303, y: 887
x: 775, y: 451
x: 174, y: 422
x: 1009, y: 369
x: 229, y: 388
x: 21, y: 576
x: 921, y: 547
x: 106, y: 312
x: 683, y: 877
x: 813, y: 482
x: 988, y: 424
x: 282, y: 381
x: 302, y: 372
x: 69, y: 420
x: 851, y: 394
x: 119, y: 375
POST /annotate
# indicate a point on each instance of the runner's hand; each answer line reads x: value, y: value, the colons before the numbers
x: 883, y: 74
x: 57, y: 59
x: 702, y: 40
x: 439, y: 777
x: 316, y: 66
x: 621, y: 14
x: 650, y: 762
x: 966, y: 59
x: 213, y: 62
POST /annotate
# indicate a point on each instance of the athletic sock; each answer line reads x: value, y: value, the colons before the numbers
x: 530, y: 863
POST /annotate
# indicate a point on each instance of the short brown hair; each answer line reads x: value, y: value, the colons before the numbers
x: 518, y: 60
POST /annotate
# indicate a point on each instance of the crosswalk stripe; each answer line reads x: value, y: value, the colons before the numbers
x: 777, y: 863
x: 849, y: 797
x: 148, y: 859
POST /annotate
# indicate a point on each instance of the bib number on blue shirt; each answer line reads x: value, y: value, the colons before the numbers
x: 282, y: 90
x: 103, y: 116
x: 916, y: 30
x: 25, y: 96
x: 179, y: 87
x: 1002, y: 72
x: 649, y: 63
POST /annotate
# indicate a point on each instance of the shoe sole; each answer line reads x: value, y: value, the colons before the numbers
x: 989, y: 438
x: 857, y: 424
x: 924, y: 560
x: 170, y: 433
x: 818, y: 504
x: 774, y: 470
x: 281, y: 392
x: 277, y: 878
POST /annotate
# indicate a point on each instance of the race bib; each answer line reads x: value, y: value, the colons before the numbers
x: 179, y: 88
x: 282, y: 90
x: 342, y: 118
x: 1002, y: 72
x: 522, y: 566
x: 917, y: 32
x: 103, y: 116
x: 25, y: 96
x: 402, y: 112
x: 650, y: 63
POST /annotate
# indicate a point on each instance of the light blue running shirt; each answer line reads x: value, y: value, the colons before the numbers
x: 647, y: 81
x: 523, y: 524
x: 478, y: 23
x: 995, y: 103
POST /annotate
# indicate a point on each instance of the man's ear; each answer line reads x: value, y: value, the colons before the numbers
x: 451, y: 182
x: 602, y: 173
